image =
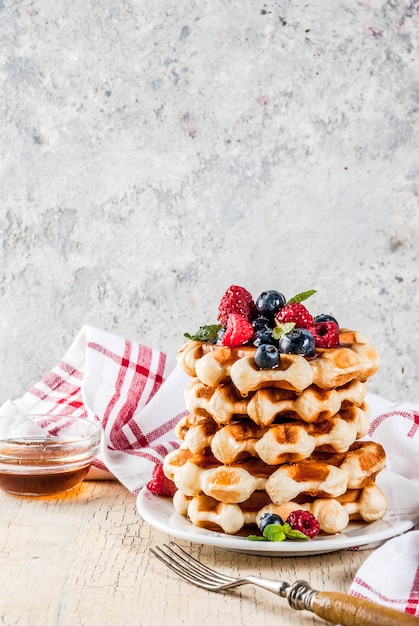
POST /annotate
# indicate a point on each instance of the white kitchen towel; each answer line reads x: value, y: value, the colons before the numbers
x: 390, y: 575
x: 396, y: 427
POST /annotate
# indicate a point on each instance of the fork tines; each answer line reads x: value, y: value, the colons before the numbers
x: 186, y: 566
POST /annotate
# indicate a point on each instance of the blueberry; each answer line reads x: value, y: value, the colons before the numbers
x: 269, y: 518
x: 264, y: 337
x: 324, y: 317
x: 263, y: 328
x: 299, y: 341
x: 267, y: 356
x: 269, y: 303
x: 262, y: 324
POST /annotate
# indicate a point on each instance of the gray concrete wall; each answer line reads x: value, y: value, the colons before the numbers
x: 152, y: 153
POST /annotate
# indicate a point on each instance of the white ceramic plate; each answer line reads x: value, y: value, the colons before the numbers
x: 402, y: 514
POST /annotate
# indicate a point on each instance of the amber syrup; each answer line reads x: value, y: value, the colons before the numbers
x: 41, y: 469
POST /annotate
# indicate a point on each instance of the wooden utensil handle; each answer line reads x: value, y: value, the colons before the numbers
x: 346, y: 610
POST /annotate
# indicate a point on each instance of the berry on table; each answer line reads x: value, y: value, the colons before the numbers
x: 267, y: 356
x: 299, y: 341
x: 238, y: 331
x: 295, y: 312
x: 160, y: 485
x: 269, y: 303
x: 237, y: 300
x: 326, y: 334
x: 305, y: 522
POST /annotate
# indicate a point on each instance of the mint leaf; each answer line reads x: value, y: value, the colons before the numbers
x: 274, y: 532
x: 257, y: 538
x: 205, y: 333
x: 291, y: 533
x: 282, y: 329
x: 302, y: 296
x: 296, y: 534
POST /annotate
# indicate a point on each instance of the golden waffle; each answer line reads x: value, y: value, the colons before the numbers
x: 321, y: 475
x: 364, y: 460
x: 290, y: 442
x: 368, y: 503
x: 207, y: 512
x: 285, y: 442
x: 213, y: 364
x: 312, y: 405
x: 263, y: 406
x: 366, y: 353
x: 315, y: 477
x: 354, y: 359
x: 333, y: 514
x: 216, y: 364
x: 197, y: 474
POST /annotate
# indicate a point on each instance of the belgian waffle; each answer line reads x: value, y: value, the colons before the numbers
x: 264, y: 405
x: 284, y: 442
x: 333, y: 514
x: 354, y: 359
x: 321, y: 475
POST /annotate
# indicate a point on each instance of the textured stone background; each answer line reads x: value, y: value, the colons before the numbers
x: 152, y: 153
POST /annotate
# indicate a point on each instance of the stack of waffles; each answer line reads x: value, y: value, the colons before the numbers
x: 277, y: 440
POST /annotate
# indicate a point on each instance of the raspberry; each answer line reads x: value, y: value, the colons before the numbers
x: 295, y: 312
x: 238, y: 331
x: 236, y: 300
x: 326, y: 334
x: 159, y: 484
x: 305, y: 522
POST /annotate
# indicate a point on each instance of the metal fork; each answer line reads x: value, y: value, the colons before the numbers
x: 335, y: 607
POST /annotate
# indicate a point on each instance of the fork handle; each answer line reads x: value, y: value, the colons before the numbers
x: 346, y: 610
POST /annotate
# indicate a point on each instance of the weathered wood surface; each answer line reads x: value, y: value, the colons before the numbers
x: 83, y: 560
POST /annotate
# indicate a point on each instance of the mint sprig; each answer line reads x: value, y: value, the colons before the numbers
x: 205, y: 333
x: 302, y: 296
x: 282, y: 329
x: 279, y: 532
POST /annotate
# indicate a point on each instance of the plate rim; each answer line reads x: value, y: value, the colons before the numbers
x: 146, y: 505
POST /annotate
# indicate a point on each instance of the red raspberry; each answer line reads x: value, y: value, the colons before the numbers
x: 236, y: 300
x: 295, y: 312
x: 305, y: 522
x: 326, y: 334
x: 159, y: 484
x: 237, y: 332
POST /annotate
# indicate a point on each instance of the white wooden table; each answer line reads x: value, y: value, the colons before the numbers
x: 83, y: 560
